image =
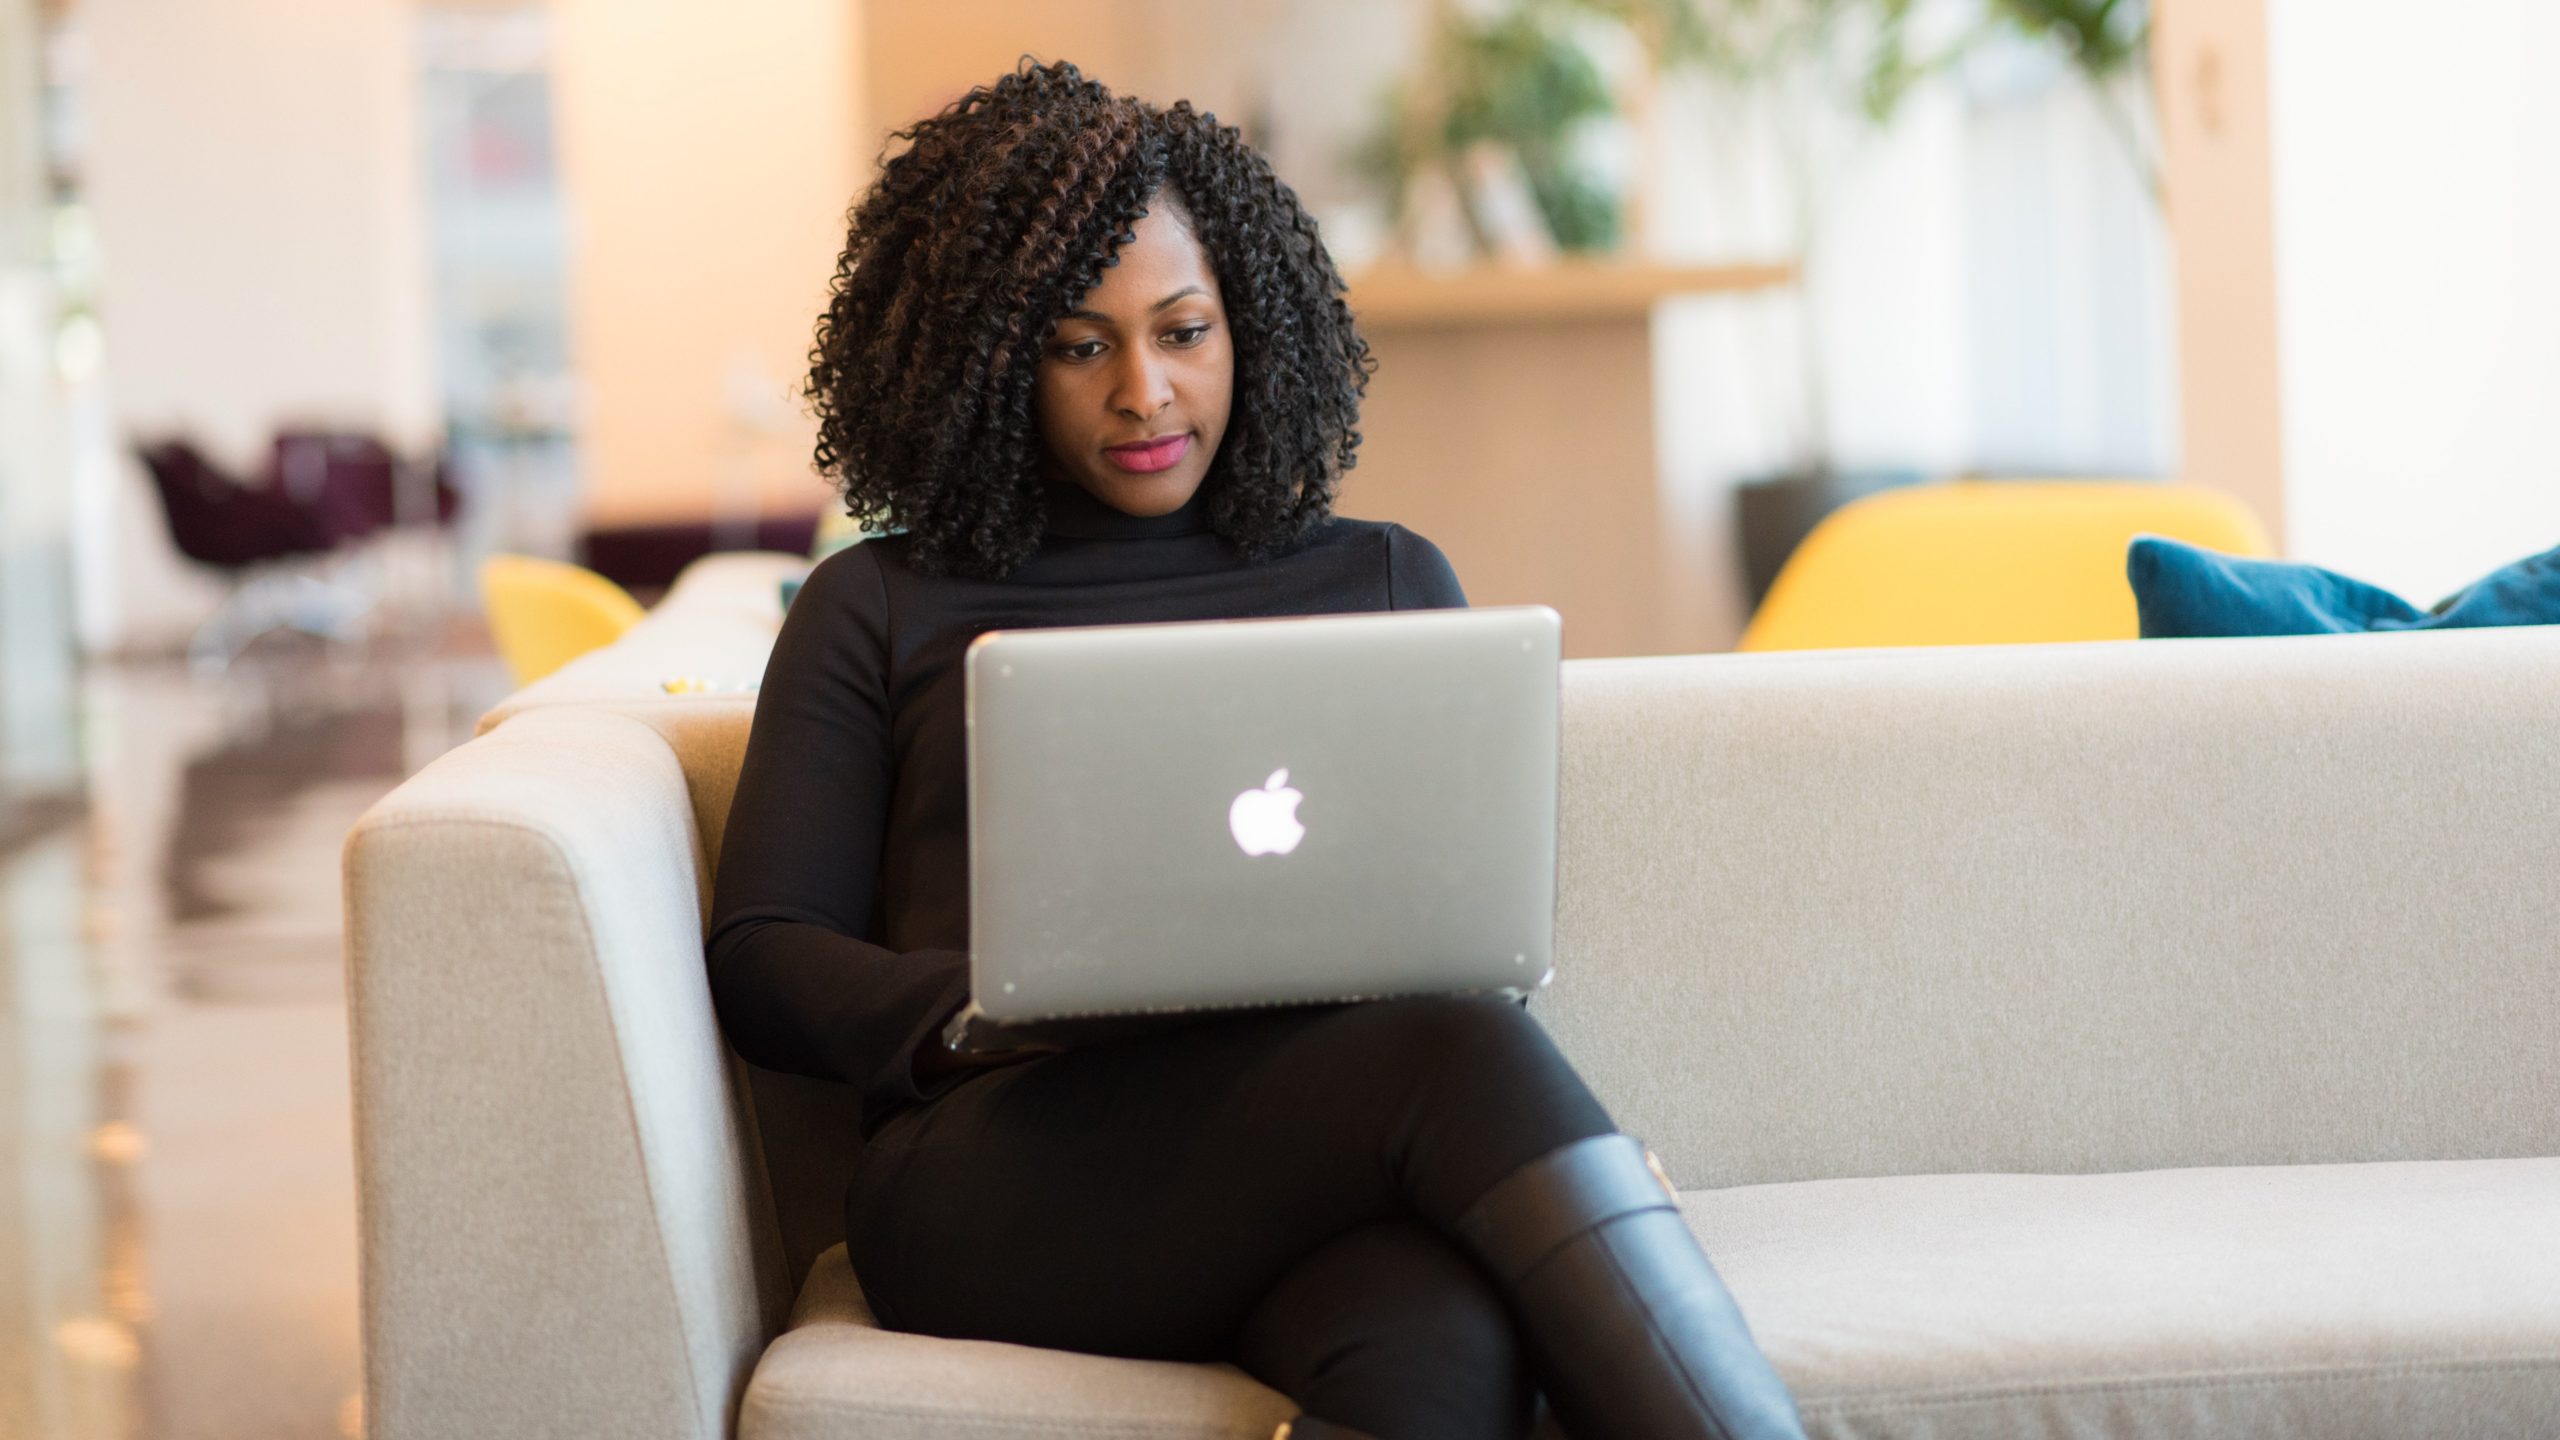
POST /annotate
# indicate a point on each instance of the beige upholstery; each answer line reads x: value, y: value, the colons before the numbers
x: 2329, y: 1300
x: 1886, y: 922
x: 2338, y: 1301
x: 562, y: 1207
x: 834, y: 1375
x: 2105, y: 906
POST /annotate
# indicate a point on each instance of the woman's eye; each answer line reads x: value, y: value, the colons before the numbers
x: 1080, y: 350
x: 1188, y: 335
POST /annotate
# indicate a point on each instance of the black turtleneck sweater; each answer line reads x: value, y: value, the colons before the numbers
x: 840, y: 917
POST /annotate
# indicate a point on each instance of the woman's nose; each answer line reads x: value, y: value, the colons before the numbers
x: 1140, y: 387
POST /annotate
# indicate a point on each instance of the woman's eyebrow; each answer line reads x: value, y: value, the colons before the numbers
x: 1098, y: 318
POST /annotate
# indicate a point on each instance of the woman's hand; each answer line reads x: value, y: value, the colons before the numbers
x: 934, y: 1059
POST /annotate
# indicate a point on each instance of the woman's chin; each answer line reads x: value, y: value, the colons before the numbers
x: 1148, y: 495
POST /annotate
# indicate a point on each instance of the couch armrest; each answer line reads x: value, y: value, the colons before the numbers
x: 565, y: 1229
x: 717, y: 625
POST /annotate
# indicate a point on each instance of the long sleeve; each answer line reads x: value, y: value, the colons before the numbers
x: 798, y: 980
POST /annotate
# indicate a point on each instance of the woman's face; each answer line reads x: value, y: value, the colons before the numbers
x: 1132, y: 390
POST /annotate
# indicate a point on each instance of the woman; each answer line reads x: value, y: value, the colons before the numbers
x: 1089, y: 359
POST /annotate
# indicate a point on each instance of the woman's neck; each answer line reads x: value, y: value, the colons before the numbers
x: 1078, y: 514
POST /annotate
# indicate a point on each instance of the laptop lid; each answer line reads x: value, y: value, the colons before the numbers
x: 1240, y: 812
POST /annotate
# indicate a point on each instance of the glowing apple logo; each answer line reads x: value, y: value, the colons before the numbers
x: 1265, y: 821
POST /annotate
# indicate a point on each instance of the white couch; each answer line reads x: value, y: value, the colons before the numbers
x: 2127, y: 1039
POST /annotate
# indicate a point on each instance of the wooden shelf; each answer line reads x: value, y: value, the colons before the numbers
x: 1567, y: 290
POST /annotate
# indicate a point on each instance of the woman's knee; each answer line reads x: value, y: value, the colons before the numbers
x: 1471, y: 1088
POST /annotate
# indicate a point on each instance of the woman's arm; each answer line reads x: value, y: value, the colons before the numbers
x: 798, y: 982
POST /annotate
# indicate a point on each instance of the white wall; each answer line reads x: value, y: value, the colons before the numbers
x: 253, y: 167
x: 2418, y: 316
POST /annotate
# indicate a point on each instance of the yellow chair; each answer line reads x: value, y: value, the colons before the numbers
x: 546, y: 614
x: 1985, y: 562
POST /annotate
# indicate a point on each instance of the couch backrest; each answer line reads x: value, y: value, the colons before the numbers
x: 2067, y: 908
x: 2044, y: 908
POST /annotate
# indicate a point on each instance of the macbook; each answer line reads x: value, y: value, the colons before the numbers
x: 1203, y: 815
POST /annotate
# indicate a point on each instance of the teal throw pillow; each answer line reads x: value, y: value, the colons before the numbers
x: 2182, y: 591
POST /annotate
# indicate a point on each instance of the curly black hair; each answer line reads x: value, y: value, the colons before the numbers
x: 998, y: 217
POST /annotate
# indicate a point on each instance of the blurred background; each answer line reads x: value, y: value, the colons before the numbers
x: 309, y: 309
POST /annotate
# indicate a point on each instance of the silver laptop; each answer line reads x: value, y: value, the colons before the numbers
x: 1212, y: 814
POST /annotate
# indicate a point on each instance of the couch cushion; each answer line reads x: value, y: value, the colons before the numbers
x: 835, y: 1375
x: 2331, y: 1301
x: 2334, y: 1301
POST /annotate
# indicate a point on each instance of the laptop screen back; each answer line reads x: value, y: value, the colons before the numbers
x: 1221, y: 813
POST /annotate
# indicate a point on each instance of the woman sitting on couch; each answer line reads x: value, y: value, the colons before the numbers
x: 1089, y: 362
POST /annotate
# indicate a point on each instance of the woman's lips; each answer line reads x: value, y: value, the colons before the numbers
x: 1149, y: 456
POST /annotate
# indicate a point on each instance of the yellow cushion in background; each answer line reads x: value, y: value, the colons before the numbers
x: 545, y: 613
x: 1985, y: 562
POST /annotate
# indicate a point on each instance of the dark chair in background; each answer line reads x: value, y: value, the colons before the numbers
x: 645, y: 559
x: 289, y: 542
x: 358, y: 485
x: 216, y: 520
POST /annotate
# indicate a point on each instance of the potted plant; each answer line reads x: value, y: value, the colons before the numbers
x: 1500, y: 124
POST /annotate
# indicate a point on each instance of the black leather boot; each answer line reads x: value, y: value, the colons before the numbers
x: 1308, y: 1427
x: 1633, y: 1335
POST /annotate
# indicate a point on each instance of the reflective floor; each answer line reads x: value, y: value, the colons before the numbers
x: 177, y: 1226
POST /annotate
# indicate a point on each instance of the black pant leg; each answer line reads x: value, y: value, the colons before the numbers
x: 1389, y: 1330
x: 1140, y: 1198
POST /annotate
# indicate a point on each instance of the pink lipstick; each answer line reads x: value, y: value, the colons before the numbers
x: 1149, y: 456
